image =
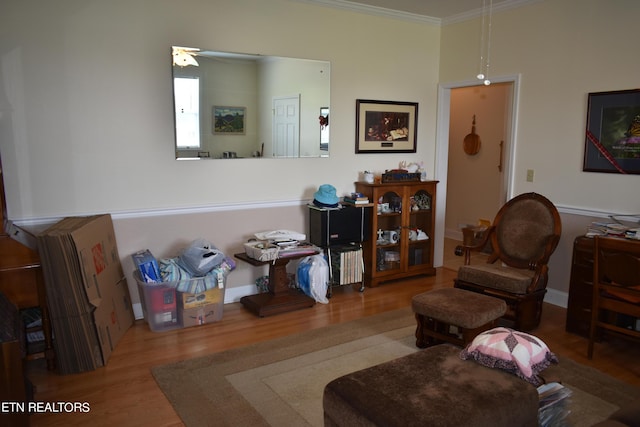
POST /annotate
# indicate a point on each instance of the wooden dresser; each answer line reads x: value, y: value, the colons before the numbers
x: 21, y: 279
x: 580, y: 287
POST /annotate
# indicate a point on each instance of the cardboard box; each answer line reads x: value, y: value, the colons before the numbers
x: 211, y: 296
x: 104, y: 281
x: 87, y: 295
x: 202, y: 314
x: 97, y: 252
x: 113, y: 317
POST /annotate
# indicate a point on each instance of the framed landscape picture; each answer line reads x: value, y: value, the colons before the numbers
x: 386, y: 126
x: 229, y: 120
x: 612, y: 141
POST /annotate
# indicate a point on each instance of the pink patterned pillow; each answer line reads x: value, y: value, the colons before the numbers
x: 517, y: 352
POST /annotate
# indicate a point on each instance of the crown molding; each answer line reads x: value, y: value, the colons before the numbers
x: 502, y: 6
x: 414, y: 17
x: 374, y: 10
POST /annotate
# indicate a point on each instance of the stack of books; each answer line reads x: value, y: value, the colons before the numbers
x: 612, y: 229
x: 347, y: 264
x: 356, y: 199
x: 295, y: 248
x: 554, y: 404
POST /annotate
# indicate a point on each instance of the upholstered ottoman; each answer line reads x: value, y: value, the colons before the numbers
x: 454, y: 315
x: 432, y: 387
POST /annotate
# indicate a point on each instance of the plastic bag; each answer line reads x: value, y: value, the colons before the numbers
x: 200, y: 257
x: 174, y: 275
x: 313, y: 277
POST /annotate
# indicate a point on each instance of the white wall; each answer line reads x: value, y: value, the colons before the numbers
x: 86, y: 119
x: 87, y: 113
x: 563, y: 49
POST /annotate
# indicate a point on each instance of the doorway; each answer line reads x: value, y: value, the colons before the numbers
x: 286, y: 126
x: 476, y: 185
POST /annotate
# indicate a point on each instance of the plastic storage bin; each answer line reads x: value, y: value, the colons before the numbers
x: 165, y: 308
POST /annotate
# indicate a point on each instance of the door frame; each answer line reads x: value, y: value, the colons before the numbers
x: 442, y: 151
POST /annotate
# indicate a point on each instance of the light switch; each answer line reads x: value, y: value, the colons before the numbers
x: 529, y: 175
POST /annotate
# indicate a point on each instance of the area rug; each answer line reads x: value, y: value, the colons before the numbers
x: 280, y: 382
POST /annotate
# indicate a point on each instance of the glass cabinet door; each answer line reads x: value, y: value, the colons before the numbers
x: 389, y: 208
x: 420, y: 226
x: 402, y: 227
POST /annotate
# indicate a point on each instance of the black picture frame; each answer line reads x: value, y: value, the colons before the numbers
x: 612, y: 140
x: 386, y: 126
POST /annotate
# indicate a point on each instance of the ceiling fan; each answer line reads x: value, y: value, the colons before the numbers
x: 183, y: 56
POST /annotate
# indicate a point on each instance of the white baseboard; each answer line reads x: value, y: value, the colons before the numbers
x: 453, y: 234
x: 234, y: 294
x: 556, y: 297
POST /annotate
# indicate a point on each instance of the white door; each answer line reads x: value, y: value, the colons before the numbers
x: 286, y: 126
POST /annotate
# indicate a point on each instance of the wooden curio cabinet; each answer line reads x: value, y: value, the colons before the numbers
x: 402, y: 228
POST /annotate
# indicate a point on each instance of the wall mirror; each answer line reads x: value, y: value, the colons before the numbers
x: 231, y: 105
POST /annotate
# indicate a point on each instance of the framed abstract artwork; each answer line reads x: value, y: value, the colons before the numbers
x: 612, y: 140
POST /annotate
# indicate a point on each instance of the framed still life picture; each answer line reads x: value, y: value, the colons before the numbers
x: 386, y: 126
x: 612, y: 142
x: 229, y: 120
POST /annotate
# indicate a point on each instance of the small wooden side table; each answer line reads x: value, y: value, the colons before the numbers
x: 280, y: 298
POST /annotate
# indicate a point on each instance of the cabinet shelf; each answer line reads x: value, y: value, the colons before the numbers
x: 407, y: 257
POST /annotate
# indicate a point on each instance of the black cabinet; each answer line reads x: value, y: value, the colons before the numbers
x: 340, y: 233
x: 348, y: 224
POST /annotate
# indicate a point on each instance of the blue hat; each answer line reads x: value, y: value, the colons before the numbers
x: 326, y: 196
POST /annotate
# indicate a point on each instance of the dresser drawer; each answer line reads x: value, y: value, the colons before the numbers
x: 580, y: 288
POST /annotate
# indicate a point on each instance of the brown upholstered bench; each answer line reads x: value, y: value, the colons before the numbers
x: 432, y: 387
x: 454, y: 315
x: 628, y: 415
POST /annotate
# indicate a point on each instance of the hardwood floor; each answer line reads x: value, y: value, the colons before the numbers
x: 125, y: 393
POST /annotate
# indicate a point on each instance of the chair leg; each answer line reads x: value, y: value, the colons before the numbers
x: 592, y: 330
x: 426, y: 331
x: 421, y: 342
x: 528, y: 314
x: 469, y: 334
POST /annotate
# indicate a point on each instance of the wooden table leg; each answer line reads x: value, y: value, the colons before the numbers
x: 280, y: 298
